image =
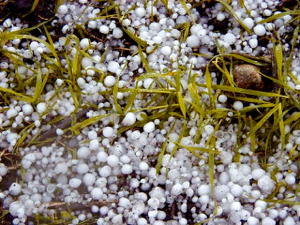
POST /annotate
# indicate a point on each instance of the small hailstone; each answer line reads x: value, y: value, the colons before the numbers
x: 222, y: 98
x: 248, y: 22
x: 236, y: 190
x: 140, y: 12
x: 143, y: 166
x: 89, y: 179
x: 15, y: 208
x: 59, y: 132
x: 238, y: 105
x: 94, y: 144
x: 209, y: 129
x: 113, y: 66
x: 86, y: 62
x: 129, y: 119
x: 220, y: 16
x: 3, y: 169
x: 105, y: 171
x: 75, y: 182
x: 92, y: 134
x: 176, y: 189
x: 148, y: 82
x: 253, y: 43
x: 290, y: 179
x: 204, y: 189
x: 96, y: 193
x: 268, y: 221
x: 27, y: 109
x: 83, y: 152
x: 235, y: 206
x: 108, y: 132
x: 15, y: 189
x: 82, y: 168
x: 84, y: 43
x: 229, y: 38
x: 104, y: 29
x: 166, y: 50
x: 125, y: 203
x: 259, y: 30
x: 61, y: 168
x: 109, y: 81
x: 149, y: 127
x: 63, y: 9
x: 112, y: 160
x: 117, y: 33
x: 126, y: 169
x: 102, y: 157
x: 266, y: 184
x: 193, y: 41
x: 11, y: 113
x: 289, y: 221
x: 257, y: 173
x: 252, y: 220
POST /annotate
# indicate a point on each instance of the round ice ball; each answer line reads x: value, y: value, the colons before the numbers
x: 230, y: 38
x: 89, y: 179
x: 113, y: 66
x: 129, y: 119
x: 83, y: 152
x: 259, y: 30
x: 75, y: 182
x: 15, y: 207
x: 15, y: 189
x: 149, y: 127
x: 110, y: 81
x: 96, y: 193
x: 108, y: 132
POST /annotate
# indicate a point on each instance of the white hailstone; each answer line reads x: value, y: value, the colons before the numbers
x: 41, y: 107
x: 261, y: 204
x: 108, y: 132
x: 59, y: 131
x: 92, y: 24
x: 11, y: 113
x: 15, y: 189
x: 96, y: 193
x: 75, y: 182
x: 266, y: 184
x: 166, y: 50
x: 59, y: 82
x: 61, y: 168
x: 117, y: 33
x: 257, y: 173
x: 109, y: 81
x: 138, y: 208
x: 27, y: 109
x: 140, y: 12
x: 204, y: 189
x: 89, y: 179
x: 238, y: 105
x: 3, y: 169
x: 249, y: 22
x: 230, y: 38
x: 125, y: 203
x: 94, y: 144
x: 84, y: 43
x: 193, y: 41
x: 153, y: 203
x: 86, y: 62
x: 268, y: 221
x: 253, y: 43
x: 102, y: 157
x: 112, y: 160
x: 105, y: 171
x: 12, y: 138
x: 7, y: 23
x: 259, y: 30
x: 183, y: 221
x: 157, y: 40
x: 34, y: 45
x: 252, y: 220
x: 289, y: 221
x: 104, y: 29
x: 143, y: 166
x: 222, y: 98
x: 16, y: 208
x: 209, y: 129
x: 290, y: 179
x: 92, y: 134
x: 113, y: 66
x: 148, y: 82
x: 176, y: 189
x: 63, y: 9
x: 149, y: 127
x: 126, y: 169
x: 236, y: 190
x: 82, y: 168
x: 221, y: 191
x: 83, y: 152
x: 235, y: 206
x: 129, y: 119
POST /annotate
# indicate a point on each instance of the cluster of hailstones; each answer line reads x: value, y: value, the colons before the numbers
x: 114, y: 179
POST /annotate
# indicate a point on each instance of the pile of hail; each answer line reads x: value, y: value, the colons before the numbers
x: 161, y: 140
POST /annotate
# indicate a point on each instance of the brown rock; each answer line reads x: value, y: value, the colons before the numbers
x: 247, y: 76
